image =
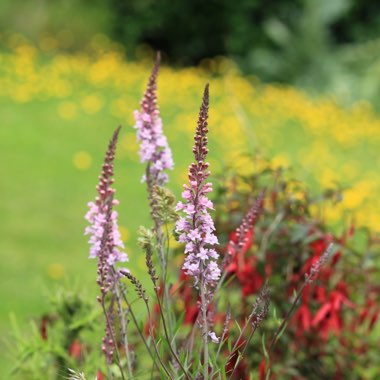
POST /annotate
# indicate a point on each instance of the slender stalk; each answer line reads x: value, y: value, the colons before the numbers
x: 255, y: 319
x: 167, y: 298
x: 151, y: 182
x: 204, y: 331
x: 142, y: 337
x: 244, y: 348
x: 154, y: 342
x: 123, y: 328
x: 165, y: 295
x: 225, y: 331
x: 260, y: 299
x: 110, y: 375
x: 265, y: 240
x: 153, y: 276
x: 142, y: 294
x: 168, y: 338
x: 237, y: 345
x: 223, y: 339
x: 118, y: 362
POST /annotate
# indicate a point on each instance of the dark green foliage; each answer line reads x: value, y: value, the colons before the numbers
x: 314, y: 44
x: 319, y: 45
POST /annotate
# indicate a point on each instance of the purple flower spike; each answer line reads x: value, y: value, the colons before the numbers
x: 154, y: 147
x: 196, y: 228
x: 105, y: 241
x: 100, y: 213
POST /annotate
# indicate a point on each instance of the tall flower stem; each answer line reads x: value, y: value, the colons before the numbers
x: 196, y: 229
x: 154, y: 341
x: 106, y: 246
x: 142, y: 337
x: 254, y: 320
x: 154, y: 278
x: 160, y: 240
x: 155, y: 151
x: 142, y: 294
x: 225, y: 332
x: 169, y: 339
x: 151, y: 182
x: 204, y: 331
x: 123, y: 324
x: 166, y: 293
x: 109, y: 324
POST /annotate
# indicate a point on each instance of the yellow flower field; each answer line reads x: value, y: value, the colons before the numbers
x: 323, y: 142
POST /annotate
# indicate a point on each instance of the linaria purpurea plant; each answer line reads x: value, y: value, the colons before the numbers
x: 174, y: 351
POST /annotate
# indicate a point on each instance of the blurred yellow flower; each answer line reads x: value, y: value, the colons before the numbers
x: 124, y: 232
x: 92, y: 103
x: 324, y: 143
x: 82, y: 160
x: 354, y: 197
x: 67, y: 110
x: 56, y: 271
x: 280, y: 161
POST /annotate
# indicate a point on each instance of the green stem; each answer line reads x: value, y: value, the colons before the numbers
x: 138, y: 329
x: 168, y: 338
x: 113, y: 338
x: 123, y: 328
x: 204, y: 332
x: 154, y: 342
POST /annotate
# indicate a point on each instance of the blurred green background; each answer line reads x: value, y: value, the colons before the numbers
x: 295, y: 81
x: 319, y: 45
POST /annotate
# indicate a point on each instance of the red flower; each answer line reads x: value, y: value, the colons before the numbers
x: 329, y: 316
x: 75, y: 349
x: 262, y: 369
x: 191, y: 313
x: 302, y: 318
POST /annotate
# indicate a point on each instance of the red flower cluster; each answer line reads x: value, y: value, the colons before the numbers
x: 243, y: 267
x: 329, y: 308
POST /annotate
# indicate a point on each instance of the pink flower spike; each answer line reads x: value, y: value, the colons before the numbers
x: 154, y: 147
x: 100, y: 213
x: 196, y: 228
x: 105, y: 240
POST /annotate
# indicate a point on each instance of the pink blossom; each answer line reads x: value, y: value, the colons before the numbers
x: 96, y: 216
x: 213, y: 337
x: 154, y: 148
x: 100, y: 214
x: 105, y: 240
x: 196, y: 228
